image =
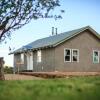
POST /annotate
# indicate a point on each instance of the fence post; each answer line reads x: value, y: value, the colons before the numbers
x: 1, y: 69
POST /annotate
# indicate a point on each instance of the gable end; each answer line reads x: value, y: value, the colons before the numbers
x: 87, y: 28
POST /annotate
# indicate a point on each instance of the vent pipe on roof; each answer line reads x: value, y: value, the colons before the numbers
x: 52, y: 30
x: 56, y: 31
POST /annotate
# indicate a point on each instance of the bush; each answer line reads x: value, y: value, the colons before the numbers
x: 8, y: 70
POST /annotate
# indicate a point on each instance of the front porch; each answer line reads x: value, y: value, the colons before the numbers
x: 60, y: 74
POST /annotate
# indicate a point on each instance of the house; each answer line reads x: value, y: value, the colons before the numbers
x: 73, y: 51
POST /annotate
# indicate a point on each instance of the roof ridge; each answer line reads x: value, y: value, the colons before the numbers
x: 59, y: 34
x: 55, y: 39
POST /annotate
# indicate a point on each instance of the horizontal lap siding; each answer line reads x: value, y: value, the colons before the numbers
x: 86, y: 42
x: 47, y: 63
x: 17, y: 59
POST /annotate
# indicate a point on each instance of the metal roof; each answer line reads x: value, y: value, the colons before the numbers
x: 53, y: 40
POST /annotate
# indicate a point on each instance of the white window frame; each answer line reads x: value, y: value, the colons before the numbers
x: 94, y: 56
x: 22, y: 57
x: 65, y: 54
x: 39, y: 56
x: 75, y: 55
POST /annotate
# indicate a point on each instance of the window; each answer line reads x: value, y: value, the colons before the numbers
x: 71, y: 55
x: 75, y: 55
x: 39, y: 56
x: 95, y: 56
x: 67, y: 55
x: 22, y: 58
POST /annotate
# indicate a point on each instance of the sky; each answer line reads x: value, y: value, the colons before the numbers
x: 78, y: 13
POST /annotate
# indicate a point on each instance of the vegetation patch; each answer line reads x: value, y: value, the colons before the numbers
x: 74, y: 88
x: 8, y: 70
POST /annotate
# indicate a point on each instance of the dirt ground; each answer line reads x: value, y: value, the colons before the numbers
x: 42, y: 75
x: 20, y: 77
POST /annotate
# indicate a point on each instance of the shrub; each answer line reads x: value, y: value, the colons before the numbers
x: 8, y: 70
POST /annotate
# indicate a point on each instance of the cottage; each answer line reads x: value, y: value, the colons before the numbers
x: 73, y: 51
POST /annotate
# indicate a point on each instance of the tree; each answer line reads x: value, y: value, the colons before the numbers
x: 16, y: 13
x: 1, y: 69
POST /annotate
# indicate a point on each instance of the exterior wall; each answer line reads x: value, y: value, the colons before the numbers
x: 47, y: 63
x: 53, y: 58
x: 86, y: 42
x: 18, y: 65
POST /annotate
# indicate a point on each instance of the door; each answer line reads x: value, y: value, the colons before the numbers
x: 30, y: 61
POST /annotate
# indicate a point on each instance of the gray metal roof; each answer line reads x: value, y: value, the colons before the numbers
x: 53, y: 40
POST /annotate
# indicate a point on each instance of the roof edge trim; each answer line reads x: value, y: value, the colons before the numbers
x: 88, y: 27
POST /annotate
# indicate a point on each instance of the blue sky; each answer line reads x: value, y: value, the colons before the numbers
x: 79, y: 13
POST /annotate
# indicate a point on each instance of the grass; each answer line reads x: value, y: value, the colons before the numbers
x: 75, y: 88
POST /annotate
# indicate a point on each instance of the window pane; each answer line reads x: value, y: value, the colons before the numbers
x: 39, y: 53
x: 39, y: 56
x: 39, y: 59
x: 67, y: 52
x: 75, y: 58
x: 22, y: 58
x: 67, y: 55
x: 75, y: 52
x: 95, y: 59
x: 67, y: 58
x: 95, y: 53
x: 75, y: 55
x: 96, y: 56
